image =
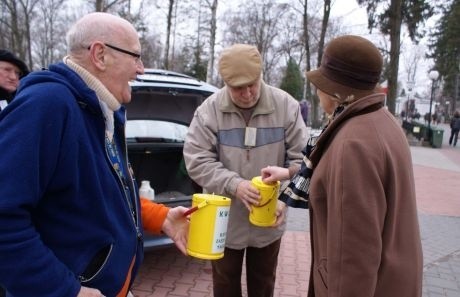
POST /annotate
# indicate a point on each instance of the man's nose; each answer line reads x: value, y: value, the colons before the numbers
x: 246, y: 91
x: 140, y: 67
x: 14, y: 74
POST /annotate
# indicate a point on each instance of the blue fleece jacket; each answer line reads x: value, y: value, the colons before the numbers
x: 65, y: 219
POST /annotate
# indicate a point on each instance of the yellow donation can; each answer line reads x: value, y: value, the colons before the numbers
x: 264, y: 214
x: 208, y: 226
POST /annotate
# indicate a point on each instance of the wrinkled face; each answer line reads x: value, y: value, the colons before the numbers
x: 327, y: 103
x: 123, y: 64
x: 9, y: 76
x: 245, y: 96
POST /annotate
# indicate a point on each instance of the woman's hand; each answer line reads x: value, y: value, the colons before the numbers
x: 272, y: 174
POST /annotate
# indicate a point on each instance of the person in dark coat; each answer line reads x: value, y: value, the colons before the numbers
x: 454, y: 128
x: 357, y: 181
x: 12, y: 69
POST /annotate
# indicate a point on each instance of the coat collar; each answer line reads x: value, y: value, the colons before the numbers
x: 361, y: 106
x: 5, y: 95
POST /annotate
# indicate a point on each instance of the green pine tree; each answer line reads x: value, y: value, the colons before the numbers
x: 445, y: 47
x: 293, y: 82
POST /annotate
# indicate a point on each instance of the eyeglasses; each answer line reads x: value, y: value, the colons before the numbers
x: 135, y: 55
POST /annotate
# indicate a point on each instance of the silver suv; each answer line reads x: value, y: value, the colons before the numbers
x: 162, y: 106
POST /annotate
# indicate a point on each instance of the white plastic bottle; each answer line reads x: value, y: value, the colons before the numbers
x: 146, y: 191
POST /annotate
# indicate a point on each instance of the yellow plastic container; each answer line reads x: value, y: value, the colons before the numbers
x: 208, y: 226
x: 264, y: 214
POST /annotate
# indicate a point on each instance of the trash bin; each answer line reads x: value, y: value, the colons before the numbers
x: 419, y: 130
x: 407, y: 126
x: 436, y: 137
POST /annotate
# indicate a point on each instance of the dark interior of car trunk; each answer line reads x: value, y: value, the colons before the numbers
x: 165, y: 169
x: 157, y: 161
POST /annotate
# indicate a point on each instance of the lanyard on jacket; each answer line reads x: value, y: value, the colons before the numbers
x: 117, y: 164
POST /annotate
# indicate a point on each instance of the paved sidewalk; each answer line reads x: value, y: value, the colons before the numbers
x: 437, y: 175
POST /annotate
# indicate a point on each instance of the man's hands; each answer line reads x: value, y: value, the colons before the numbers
x: 281, y: 211
x: 248, y: 194
x: 176, y: 227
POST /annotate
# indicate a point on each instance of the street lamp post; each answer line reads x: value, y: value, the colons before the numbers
x: 447, y: 109
x: 433, y: 75
x: 410, y: 85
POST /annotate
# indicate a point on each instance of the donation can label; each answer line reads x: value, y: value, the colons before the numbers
x: 220, y: 229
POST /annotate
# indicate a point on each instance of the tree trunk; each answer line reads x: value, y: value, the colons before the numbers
x: 315, y: 112
x: 306, y: 37
x: 168, y: 34
x: 212, y: 42
x: 395, y: 40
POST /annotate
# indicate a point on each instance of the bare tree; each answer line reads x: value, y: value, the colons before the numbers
x: 324, y: 27
x: 48, y: 45
x: 168, y: 33
x: 212, y: 5
x: 412, y: 57
x: 306, y: 40
x: 18, y: 26
x: 257, y: 24
x: 11, y: 22
x: 105, y: 5
x: 314, y: 39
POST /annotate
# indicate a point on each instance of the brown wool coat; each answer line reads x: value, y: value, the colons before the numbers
x: 364, y: 227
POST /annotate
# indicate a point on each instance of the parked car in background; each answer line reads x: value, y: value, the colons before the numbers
x: 158, y: 116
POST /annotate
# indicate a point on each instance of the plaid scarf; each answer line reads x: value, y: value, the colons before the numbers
x: 297, y: 192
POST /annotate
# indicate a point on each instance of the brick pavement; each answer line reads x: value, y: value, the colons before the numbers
x: 166, y: 272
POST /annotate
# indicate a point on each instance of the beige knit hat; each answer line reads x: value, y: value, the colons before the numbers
x: 240, y: 65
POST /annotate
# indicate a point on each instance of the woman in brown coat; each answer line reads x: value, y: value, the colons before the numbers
x: 357, y: 180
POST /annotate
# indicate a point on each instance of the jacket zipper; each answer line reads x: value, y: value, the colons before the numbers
x: 83, y: 279
x: 133, y: 209
x: 131, y: 180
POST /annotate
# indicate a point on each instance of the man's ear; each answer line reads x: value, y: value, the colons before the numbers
x: 97, y: 53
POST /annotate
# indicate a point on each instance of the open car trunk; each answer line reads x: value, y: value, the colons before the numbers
x: 157, y: 155
x: 158, y: 117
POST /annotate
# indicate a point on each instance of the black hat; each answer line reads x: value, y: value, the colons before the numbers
x: 8, y: 56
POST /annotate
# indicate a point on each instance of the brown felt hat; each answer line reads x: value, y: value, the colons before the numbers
x: 240, y: 65
x: 350, y: 66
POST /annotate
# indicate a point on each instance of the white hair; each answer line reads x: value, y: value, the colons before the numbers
x: 94, y: 26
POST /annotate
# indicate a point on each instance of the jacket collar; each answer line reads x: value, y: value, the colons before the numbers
x: 107, y: 101
x: 5, y: 95
x: 361, y: 106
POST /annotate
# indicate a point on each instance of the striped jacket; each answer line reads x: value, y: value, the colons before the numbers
x: 217, y: 158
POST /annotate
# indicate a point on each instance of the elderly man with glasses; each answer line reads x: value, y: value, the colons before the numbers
x: 71, y: 220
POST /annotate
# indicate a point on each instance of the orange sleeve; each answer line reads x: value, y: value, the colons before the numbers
x: 153, y: 215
